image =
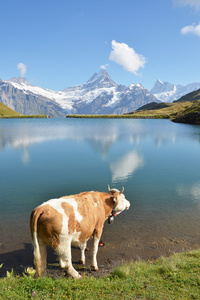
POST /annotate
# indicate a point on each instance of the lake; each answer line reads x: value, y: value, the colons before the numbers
x: 157, y: 162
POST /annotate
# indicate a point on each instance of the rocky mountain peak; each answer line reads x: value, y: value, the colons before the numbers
x: 19, y: 80
x: 101, y: 79
x: 161, y: 87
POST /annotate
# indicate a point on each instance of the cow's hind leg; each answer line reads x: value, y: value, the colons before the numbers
x: 83, y: 247
x: 64, y: 253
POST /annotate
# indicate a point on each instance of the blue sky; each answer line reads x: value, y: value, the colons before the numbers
x: 60, y: 43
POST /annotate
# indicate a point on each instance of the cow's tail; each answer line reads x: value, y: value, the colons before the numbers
x: 39, y: 264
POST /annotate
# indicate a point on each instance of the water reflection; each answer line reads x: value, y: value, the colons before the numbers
x: 190, y: 192
x: 156, y: 161
x: 124, y: 167
x: 100, y: 134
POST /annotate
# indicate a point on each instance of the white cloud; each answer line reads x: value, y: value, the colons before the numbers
x: 192, y: 3
x: 125, y: 56
x: 104, y: 67
x: 191, y: 29
x: 22, y: 68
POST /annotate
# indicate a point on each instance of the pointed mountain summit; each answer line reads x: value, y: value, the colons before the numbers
x: 101, y: 79
x: 161, y: 87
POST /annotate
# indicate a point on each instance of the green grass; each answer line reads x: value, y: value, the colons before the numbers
x: 20, y: 116
x: 176, y: 277
x: 191, y: 114
x: 99, y: 116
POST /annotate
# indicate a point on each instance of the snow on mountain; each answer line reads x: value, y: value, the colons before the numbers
x: 134, y: 97
x: 101, y: 80
x: 100, y: 84
x: 26, y: 87
x: 20, y: 95
x: 168, y: 92
x: 99, y: 95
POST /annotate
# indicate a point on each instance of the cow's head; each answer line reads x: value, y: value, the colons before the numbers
x: 119, y: 199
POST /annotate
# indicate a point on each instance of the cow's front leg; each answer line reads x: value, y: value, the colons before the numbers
x: 94, y: 253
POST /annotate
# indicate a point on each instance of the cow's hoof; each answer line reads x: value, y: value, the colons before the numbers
x: 95, y: 268
x: 76, y: 276
x: 81, y: 262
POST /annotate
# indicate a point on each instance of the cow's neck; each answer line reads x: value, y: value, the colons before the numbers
x: 108, y: 205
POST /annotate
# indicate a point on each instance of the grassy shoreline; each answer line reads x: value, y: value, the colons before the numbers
x: 23, y: 117
x: 125, y: 116
x: 183, y: 112
x: 175, y: 277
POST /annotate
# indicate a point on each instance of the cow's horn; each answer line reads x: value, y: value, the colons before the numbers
x: 122, y: 190
x: 108, y: 187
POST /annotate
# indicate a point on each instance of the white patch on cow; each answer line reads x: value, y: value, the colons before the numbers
x: 74, y: 204
x: 56, y: 204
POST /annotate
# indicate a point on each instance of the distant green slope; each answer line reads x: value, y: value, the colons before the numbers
x: 5, y: 111
x: 179, y: 111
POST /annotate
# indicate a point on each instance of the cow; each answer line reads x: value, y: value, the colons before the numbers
x: 71, y: 221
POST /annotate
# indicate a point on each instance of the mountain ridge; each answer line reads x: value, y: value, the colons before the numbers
x: 168, y: 92
x: 99, y: 95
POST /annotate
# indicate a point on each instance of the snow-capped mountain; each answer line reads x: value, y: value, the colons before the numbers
x: 168, y: 92
x: 99, y: 95
x: 26, y: 99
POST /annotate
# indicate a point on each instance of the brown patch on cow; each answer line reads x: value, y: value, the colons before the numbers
x: 96, y: 214
x: 49, y: 225
x: 73, y: 224
x: 108, y: 204
x: 87, y: 210
x: 94, y: 207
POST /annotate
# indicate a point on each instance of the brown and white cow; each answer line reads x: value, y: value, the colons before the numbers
x: 72, y: 220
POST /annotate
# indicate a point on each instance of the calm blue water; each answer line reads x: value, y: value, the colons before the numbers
x: 157, y: 162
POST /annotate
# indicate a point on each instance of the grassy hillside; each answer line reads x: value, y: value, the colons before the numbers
x: 190, y: 115
x: 6, y: 112
x: 186, y: 112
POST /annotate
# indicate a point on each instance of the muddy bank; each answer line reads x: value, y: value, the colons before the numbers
x: 112, y: 254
